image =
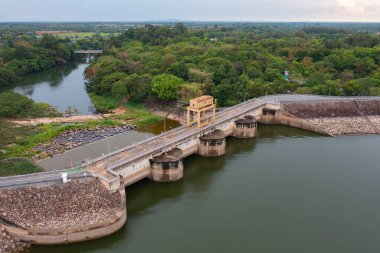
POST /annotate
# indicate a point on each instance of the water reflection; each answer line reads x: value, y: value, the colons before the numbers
x: 61, y: 87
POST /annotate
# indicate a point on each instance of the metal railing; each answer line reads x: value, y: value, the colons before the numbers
x: 182, y: 139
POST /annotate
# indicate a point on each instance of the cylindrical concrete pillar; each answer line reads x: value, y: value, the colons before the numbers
x: 245, y: 127
x: 212, y: 144
x: 167, y: 167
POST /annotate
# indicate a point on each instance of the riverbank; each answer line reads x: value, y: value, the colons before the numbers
x: 59, y: 206
x: 11, y: 244
x: 68, y: 209
x: 75, y: 138
x: 22, y: 136
x: 61, y: 120
x: 339, y: 117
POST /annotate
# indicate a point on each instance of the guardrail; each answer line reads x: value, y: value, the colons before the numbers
x: 28, y: 180
x: 5, y: 221
x: 179, y: 140
x: 108, y: 155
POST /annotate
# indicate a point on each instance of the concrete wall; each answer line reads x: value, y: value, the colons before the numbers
x: 189, y: 147
x: 136, y: 176
x: 205, y: 149
x: 174, y: 173
x: 244, y: 132
x: 111, y: 181
x: 227, y: 128
x: 287, y: 119
x: 73, y: 234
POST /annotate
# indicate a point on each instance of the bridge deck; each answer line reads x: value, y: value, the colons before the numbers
x: 168, y: 140
x: 157, y: 144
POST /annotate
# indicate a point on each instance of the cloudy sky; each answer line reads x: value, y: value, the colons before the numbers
x: 202, y: 10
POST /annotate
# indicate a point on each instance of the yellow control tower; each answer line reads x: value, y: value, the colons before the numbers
x: 201, y: 111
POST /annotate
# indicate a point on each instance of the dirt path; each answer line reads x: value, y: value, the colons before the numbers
x: 72, y: 119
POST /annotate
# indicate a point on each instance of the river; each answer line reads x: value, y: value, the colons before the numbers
x: 287, y: 190
x: 61, y: 87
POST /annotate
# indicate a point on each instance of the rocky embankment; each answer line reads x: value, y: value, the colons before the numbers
x: 369, y: 107
x: 375, y: 120
x: 75, y: 138
x: 343, y: 125
x: 10, y: 244
x: 59, y: 206
x: 339, y: 117
x: 372, y: 109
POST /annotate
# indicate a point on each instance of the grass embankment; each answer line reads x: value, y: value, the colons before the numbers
x: 22, y: 143
x: 134, y: 113
x: 17, y: 166
x: 18, y: 141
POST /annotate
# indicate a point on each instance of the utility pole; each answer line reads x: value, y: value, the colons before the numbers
x: 330, y: 90
x: 108, y: 144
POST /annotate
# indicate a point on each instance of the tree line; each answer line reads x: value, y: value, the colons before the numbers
x: 236, y: 63
x: 24, y: 54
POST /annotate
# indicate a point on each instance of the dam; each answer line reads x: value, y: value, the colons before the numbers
x: 160, y: 158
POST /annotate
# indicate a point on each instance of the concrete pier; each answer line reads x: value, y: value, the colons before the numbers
x: 167, y: 167
x: 245, y: 127
x: 212, y: 144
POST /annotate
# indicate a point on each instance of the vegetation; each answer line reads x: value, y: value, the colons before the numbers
x: 82, y: 35
x: 16, y: 141
x: 165, y: 86
x: 17, y: 166
x: 145, y: 63
x: 14, y: 105
x: 20, y: 55
x: 234, y: 62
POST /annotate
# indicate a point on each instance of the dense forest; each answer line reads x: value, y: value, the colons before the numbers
x: 24, y: 54
x: 234, y: 63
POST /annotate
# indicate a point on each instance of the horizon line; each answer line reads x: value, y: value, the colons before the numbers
x: 187, y: 21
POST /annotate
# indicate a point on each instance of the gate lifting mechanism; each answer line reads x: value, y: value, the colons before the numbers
x: 201, y: 111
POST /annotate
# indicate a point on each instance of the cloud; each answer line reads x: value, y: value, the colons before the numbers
x: 354, y: 10
x: 351, y: 7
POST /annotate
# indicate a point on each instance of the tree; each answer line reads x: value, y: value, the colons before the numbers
x: 220, y: 67
x: 179, y: 69
x: 13, y: 104
x: 165, y: 86
x: 120, y: 89
x: 241, y: 87
x: 106, y: 84
x: 364, y: 66
x: 138, y: 86
x: 16, y: 105
x: 188, y: 91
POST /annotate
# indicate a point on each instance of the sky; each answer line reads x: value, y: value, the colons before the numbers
x: 190, y: 10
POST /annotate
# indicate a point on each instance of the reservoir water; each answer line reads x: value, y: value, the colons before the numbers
x: 287, y: 190
x: 61, y: 87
